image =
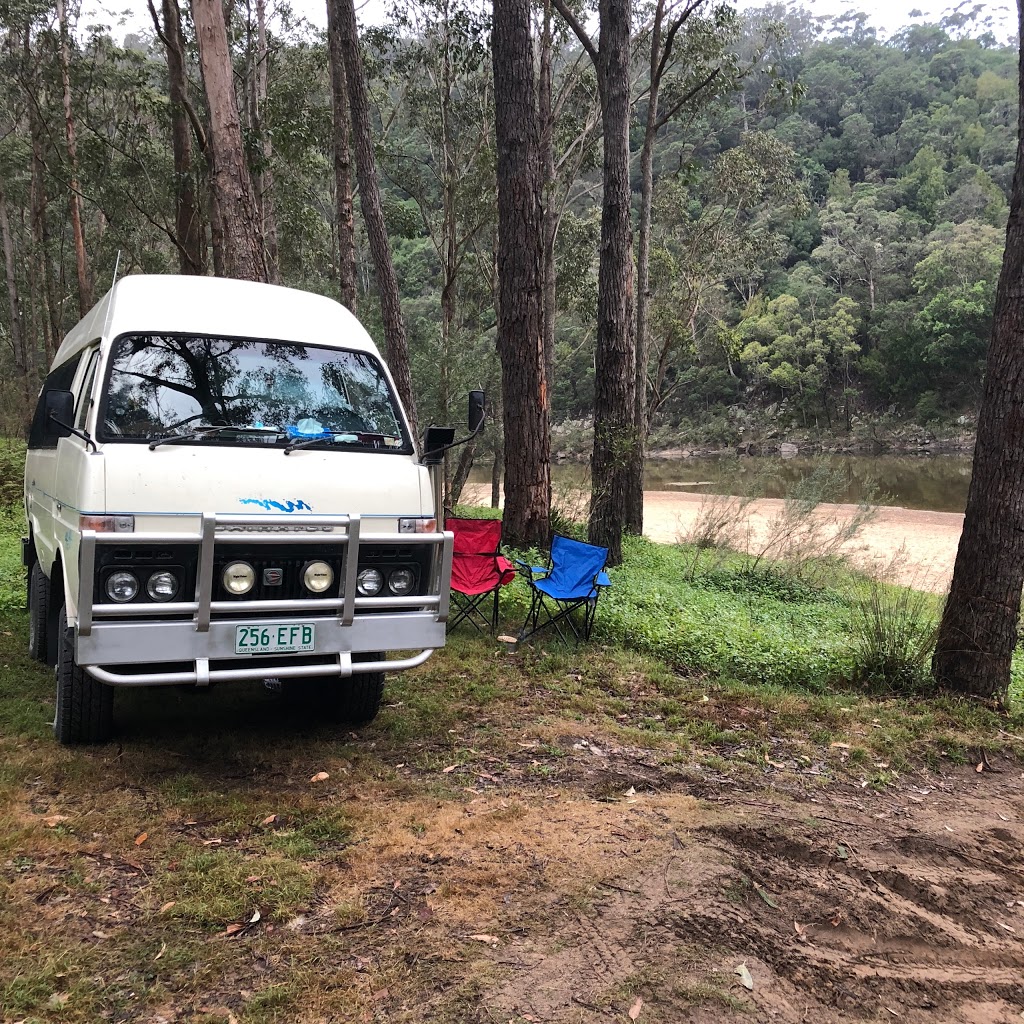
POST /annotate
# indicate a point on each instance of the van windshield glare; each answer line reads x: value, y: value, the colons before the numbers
x: 274, y: 393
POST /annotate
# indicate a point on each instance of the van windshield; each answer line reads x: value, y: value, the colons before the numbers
x: 274, y: 392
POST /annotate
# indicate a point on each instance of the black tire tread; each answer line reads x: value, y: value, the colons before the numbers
x: 85, y: 706
x: 38, y: 612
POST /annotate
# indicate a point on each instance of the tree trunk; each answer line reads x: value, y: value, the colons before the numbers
x: 189, y: 236
x: 635, y: 483
x: 231, y: 188
x: 74, y: 189
x: 615, y: 441
x: 520, y: 326
x: 51, y: 322
x: 395, y: 341
x: 20, y: 352
x: 550, y: 216
x: 978, y: 631
x: 263, y: 178
x: 342, y: 166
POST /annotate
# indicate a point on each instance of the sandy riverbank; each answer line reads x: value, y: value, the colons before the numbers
x: 907, y: 545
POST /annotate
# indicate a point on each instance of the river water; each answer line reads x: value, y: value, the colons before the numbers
x: 936, y: 483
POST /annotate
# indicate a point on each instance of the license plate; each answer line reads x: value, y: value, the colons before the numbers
x: 281, y: 638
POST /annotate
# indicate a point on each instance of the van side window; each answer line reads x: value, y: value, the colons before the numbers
x: 84, y: 399
x: 59, y: 379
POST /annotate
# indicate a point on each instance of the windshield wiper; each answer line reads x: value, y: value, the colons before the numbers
x: 357, y: 436
x: 201, y: 432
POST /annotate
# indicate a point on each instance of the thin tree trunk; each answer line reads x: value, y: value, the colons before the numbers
x: 635, y: 484
x: 978, y: 632
x: 51, y: 320
x: 263, y: 179
x: 77, y: 230
x: 20, y: 351
x: 550, y: 217
x: 520, y: 326
x: 342, y: 166
x: 190, y: 238
x: 615, y: 441
x: 242, y: 249
x: 395, y: 341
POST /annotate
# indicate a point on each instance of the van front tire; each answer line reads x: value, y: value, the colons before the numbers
x: 354, y: 700
x: 85, y: 706
x: 38, y: 612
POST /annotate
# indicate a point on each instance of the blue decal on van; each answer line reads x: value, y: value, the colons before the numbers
x: 269, y: 505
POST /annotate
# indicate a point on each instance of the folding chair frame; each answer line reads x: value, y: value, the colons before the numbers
x: 564, y: 613
x: 469, y: 610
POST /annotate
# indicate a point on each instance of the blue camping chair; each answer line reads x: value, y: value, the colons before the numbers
x: 573, y: 581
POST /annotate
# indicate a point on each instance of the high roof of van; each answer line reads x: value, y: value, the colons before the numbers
x: 216, y: 306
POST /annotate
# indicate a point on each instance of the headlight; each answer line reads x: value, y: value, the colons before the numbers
x: 239, y: 578
x: 122, y: 586
x: 317, y: 576
x: 400, y: 581
x: 369, y: 582
x: 162, y: 586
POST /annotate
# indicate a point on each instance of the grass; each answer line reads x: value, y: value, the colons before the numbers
x: 130, y: 874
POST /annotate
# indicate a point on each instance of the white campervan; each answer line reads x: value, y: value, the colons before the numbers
x: 221, y: 485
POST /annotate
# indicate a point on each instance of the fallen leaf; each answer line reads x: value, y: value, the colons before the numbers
x: 800, y: 929
x: 58, y: 999
x: 842, y: 853
x: 980, y: 767
x: 269, y: 819
x: 423, y: 912
x: 840, y: 746
x: 766, y: 896
x: 53, y: 820
x: 213, y: 842
x: 450, y: 769
x: 491, y: 940
x: 505, y: 639
x: 745, y: 977
x: 774, y: 764
x: 163, y: 949
x: 255, y: 917
x: 100, y: 935
x: 382, y: 994
x: 167, y: 906
x: 631, y: 791
x: 254, y: 878
x: 234, y: 928
x: 634, y: 1010
x: 141, y: 838
x: 320, y: 777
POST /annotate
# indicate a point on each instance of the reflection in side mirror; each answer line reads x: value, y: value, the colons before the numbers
x: 59, y: 409
x: 477, y: 410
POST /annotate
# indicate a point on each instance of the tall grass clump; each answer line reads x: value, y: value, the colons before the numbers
x: 893, y: 631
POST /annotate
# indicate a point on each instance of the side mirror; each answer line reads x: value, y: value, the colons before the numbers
x: 477, y: 410
x: 59, y: 412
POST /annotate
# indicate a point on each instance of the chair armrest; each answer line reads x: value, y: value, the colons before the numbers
x: 602, y: 579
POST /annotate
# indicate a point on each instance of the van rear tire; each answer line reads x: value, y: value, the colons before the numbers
x: 85, y: 706
x: 38, y: 612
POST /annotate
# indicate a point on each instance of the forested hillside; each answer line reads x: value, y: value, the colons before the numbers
x: 826, y: 223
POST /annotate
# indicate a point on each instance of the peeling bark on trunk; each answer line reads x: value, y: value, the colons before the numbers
x: 520, y: 313
x: 241, y: 248
x: 74, y: 189
x: 395, y: 340
x: 342, y: 166
x: 978, y: 632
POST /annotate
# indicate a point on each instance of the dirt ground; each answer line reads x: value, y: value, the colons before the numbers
x: 842, y: 904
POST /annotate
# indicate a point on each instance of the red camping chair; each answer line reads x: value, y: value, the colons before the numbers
x: 477, y: 571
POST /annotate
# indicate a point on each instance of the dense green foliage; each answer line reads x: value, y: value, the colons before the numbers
x: 828, y: 214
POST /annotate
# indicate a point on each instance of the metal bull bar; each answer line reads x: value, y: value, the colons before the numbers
x: 202, y: 638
